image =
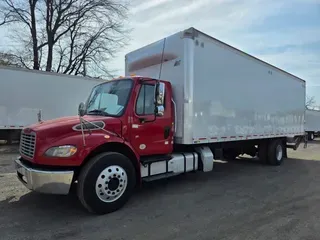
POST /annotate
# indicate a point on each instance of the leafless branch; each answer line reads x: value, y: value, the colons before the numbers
x: 67, y: 35
x: 10, y: 59
x: 310, y: 102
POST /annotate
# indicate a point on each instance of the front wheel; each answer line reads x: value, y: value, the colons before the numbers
x: 106, y: 182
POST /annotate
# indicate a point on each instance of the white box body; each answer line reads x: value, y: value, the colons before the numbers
x: 221, y: 93
x: 312, y: 120
x: 24, y: 92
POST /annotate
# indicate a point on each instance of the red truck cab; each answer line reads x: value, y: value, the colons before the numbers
x: 101, y: 149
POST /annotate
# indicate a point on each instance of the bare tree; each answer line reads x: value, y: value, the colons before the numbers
x: 10, y: 59
x: 5, y: 16
x: 70, y: 36
x: 310, y: 102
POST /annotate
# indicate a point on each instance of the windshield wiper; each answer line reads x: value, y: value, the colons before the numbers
x: 97, y: 112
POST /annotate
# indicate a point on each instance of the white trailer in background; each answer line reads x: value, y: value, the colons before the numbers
x: 312, y: 124
x: 25, y: 93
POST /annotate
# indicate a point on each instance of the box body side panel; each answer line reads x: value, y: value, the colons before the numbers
x: 237, y: 97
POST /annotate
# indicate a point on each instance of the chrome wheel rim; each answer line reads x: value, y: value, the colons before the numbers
x: 111, y: 183
x: 279, y: 153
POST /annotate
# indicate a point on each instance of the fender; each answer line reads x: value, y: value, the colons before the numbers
x: 103, y: 142
x: 96, y: 140
x: 92, y: 143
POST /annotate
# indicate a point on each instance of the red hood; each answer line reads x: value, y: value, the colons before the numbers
x: 55, y: 123
x: 61, y: 126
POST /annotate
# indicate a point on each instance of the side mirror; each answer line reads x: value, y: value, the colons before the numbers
x: 81, y: 109
x: 159, y: 98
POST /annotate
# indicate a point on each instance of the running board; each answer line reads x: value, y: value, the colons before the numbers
x: 159, y: 176
x: 157, y: 158
x: 154, y: 168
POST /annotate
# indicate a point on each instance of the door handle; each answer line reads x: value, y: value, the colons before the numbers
x: 142, y: 119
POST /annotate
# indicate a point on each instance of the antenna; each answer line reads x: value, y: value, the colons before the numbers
x: 162, y: 55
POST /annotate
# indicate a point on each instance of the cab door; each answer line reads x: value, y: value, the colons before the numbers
x: 151, y: 135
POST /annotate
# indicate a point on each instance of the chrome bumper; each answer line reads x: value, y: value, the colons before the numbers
x: 52, y: 182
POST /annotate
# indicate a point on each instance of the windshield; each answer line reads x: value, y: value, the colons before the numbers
x: 109, y: 98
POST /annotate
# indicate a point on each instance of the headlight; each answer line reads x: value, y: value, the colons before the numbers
x: 61, y: 151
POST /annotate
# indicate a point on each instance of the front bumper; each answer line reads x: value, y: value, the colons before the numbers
x: 52, y: 182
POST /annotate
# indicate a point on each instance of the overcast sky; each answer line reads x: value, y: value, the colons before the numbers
x: 285, y: 33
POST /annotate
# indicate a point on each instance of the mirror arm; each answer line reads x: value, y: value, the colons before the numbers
x: 81, y: 109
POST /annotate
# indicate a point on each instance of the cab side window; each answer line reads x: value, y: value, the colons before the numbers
x: 145, y: 102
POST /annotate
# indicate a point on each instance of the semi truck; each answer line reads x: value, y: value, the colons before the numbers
x: 312, y: 125
x: 184, y: 102
x: 29, y: 95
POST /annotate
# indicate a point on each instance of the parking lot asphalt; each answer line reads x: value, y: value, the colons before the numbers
x: 241, y: 199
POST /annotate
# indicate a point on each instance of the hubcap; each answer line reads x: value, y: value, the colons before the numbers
x: 111, y: 183
x: 279, y: 152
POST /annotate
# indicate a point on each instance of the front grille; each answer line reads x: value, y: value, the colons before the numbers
x: 27, y: 144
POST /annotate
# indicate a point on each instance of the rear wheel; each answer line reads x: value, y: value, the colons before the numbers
x: 311, y: 136
x: 106, y: 182
x: 276, y: 152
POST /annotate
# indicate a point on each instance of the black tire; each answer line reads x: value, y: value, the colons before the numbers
x: 263, y: 152
x: 311, y: 136
x: 10, y: 137
x: 86, y: 187
x: 273, y: 149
